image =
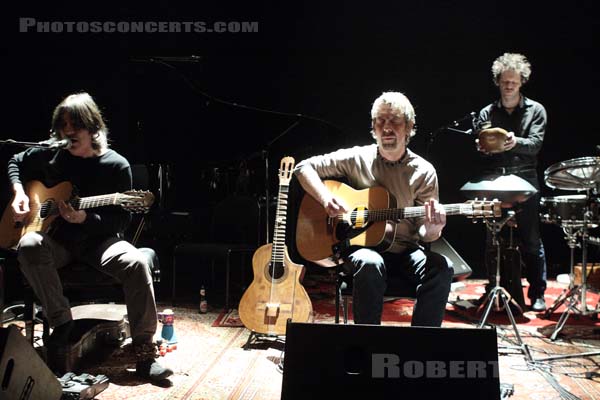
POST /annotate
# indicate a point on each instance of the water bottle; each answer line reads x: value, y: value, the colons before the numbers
x: 203, y: 303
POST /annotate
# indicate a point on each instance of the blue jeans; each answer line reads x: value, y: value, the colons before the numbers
x: 430, y: 274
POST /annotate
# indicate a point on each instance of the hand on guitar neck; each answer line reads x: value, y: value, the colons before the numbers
x: 435, y: 221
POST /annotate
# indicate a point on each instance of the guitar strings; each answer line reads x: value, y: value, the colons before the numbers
x: 412, y: 212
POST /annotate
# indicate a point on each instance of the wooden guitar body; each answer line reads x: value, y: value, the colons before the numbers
x: 276, y: 295
x: 272, y: 299
x: 41, y: 201
x: 316, y: 233
x: 43, y: 206
x: 369, y: 222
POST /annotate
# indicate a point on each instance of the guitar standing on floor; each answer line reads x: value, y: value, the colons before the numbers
x: 276, y: 295
x: 43, y: 203
x: 370, y: 223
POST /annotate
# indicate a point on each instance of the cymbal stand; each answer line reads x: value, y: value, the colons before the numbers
x: 577, y: 294
x: 571, y: 238
x: 498, y: 293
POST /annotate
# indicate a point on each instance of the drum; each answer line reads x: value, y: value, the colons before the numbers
x: 568, y: 210
x: 576, y: 174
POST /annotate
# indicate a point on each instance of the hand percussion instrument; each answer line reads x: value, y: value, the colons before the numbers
x: 492, y: 139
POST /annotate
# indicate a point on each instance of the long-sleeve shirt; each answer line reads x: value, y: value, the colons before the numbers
x: 105, y: 174
x: 527, y: 121
x: 412, y: 180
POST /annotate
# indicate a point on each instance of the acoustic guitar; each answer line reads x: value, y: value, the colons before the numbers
x: 276, y: 295
x: 43, y: 205
x: 370, y: 223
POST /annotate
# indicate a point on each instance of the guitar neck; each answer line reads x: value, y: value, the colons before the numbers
x: 96, y: 201
x: 278, y: 251
x: 392, y: 214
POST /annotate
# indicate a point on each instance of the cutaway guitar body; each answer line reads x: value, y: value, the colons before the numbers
x: 276, y: 295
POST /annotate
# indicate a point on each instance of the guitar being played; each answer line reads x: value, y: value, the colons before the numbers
x: 57, y: 229
x: 371, y: 221
x: 412, y: 181
x: 44, y: 205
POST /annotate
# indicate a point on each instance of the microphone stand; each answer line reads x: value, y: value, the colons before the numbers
x: 451, y: 127
x: 23, y: 144
x: 265, y: 155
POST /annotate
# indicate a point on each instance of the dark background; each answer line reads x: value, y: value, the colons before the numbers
x: 319, y: 65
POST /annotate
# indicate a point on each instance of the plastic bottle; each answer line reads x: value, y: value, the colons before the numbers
x: 203, y: 303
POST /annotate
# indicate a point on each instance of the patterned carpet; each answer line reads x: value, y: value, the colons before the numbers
x: 210, y: 362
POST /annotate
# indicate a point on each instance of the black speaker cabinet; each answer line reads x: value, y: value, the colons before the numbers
x: 389, y: 362
x: 461, y: 268
x: 23, y: 374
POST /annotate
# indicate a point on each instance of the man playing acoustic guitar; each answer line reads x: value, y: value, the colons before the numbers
x: 413, y: 182
x: 89, y: 236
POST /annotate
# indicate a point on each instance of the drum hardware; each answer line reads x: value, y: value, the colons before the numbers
x: 576, y: 174
x: 499, y: 297
x: 509, y: 189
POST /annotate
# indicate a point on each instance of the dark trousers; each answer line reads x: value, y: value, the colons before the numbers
x: 429, y: 273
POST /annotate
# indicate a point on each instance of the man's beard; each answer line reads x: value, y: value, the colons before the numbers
x: 389, y: 145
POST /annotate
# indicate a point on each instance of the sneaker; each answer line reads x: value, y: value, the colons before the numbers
x: 538, y: 304
x: 150, y: 369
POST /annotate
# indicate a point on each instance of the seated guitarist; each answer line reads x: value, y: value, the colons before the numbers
x: 413, y: 182
x: 89, y: 236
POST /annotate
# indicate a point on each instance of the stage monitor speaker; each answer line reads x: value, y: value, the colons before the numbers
x: 389, y: 362
x: 461, y: 268
x: 23, y: 374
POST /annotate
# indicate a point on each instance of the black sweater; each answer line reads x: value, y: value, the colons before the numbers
x: 101, y: 175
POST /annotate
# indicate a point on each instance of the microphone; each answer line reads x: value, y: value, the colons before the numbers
x: 470, y: 115
x: 57, y: 144
x: 181, y: 59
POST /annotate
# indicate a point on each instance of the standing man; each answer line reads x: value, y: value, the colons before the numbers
x: 413, y: 182
x: 93, y: 236
x: 524, y: 120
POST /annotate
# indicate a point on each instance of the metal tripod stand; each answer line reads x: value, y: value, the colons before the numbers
x: 499, y: 296
x: 576, y: 295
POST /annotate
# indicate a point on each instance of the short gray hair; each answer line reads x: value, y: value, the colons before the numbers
x: 400, y: 105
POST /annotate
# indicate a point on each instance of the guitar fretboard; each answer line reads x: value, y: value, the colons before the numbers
x: 95, y: 201
x: 278, y: 251
x: 392, y: 214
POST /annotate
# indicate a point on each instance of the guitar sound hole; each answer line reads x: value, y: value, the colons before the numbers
x: 275, y: 271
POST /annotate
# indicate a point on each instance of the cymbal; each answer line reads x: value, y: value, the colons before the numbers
x: 506, y: 188
x: 576, y: 174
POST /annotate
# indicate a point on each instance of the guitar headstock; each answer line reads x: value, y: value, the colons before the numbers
x: 485, y: 208
x: 286, y: 169
x: 136, y: 201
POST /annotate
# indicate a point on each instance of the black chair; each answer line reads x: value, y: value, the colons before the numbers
x: 234, y: 229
